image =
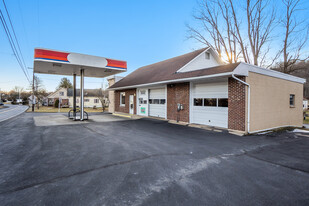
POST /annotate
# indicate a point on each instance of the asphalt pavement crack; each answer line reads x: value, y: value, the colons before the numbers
x: 275, y: 163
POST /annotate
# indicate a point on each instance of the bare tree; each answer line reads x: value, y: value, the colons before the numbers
x: 296, y: 36
x: 102, y: 94
x: 39, y: 90
x: 222, y: 29
x: 237, y: 34
x: 217, y: 20
x: 16, y: 92
x: 260, y: 25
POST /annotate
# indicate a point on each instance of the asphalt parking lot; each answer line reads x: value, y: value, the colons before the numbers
x: 148, y: 162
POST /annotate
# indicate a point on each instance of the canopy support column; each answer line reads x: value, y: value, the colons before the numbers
x: 74, y: 96
x: 82, y: 94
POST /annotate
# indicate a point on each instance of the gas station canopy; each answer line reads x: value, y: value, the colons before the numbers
x: 48, y: 61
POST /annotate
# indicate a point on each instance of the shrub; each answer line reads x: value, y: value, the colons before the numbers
x: 57, y: 103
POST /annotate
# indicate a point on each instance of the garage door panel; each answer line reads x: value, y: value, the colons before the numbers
x: 157, y: 110
x: 157, y: 94
x: 213, y: 116
x: 214, y: 88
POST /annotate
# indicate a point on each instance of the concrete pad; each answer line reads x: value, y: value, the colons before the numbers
x: 106, y: 118
x: 54, y: 120
x: 179, y: 123
x: 57, y: 120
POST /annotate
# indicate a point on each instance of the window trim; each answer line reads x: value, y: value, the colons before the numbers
x: 120, y: 100
x: 195, y: 100
x: 292, y: 105
x: 217, y: 102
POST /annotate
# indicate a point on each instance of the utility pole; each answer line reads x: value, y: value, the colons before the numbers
x: 19, y: 96
x: 33, y: 101
x: 0, y: 96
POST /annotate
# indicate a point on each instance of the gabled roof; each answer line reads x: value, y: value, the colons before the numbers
x: 87, y: 92
x: 167, y: 71
x: 161, y: 71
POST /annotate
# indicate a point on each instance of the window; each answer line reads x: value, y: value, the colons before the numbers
x: 210, y: 102
x: 156, y: 101
x: 86, y: 100
x: 143, y: 92
x: 122, y: 98
x: 96, y: 101
x: 223, y: 102
x: 207, y: 55
x: 292, y: 100
x: 61, y: 93
x: 198, y: 102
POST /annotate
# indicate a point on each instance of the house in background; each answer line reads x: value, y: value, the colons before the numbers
x: 60, y: 94
x: 198, y: 88
x: 91, y: 98
x: 65, y: 96
x: 43, y: 101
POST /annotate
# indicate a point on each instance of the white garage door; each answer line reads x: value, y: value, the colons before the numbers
x: 157, y: 102
x: 209, y: 104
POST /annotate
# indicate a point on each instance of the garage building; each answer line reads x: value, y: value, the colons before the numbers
x: 199, y: 88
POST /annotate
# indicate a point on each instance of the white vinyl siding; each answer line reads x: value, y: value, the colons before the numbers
x: 157, y: 103
x: 214, y: 115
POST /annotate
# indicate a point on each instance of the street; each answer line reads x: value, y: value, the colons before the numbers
x: 11, y: 111
x: 148, y: 162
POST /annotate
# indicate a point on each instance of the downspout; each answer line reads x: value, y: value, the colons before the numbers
x: 245, y: 83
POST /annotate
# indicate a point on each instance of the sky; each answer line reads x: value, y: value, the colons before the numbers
x: 138, y: 31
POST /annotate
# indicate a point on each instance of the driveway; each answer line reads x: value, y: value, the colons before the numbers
x: 10, y: 111
x: 148, y: 162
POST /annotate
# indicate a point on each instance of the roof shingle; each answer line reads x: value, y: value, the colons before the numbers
x: 166, y: 70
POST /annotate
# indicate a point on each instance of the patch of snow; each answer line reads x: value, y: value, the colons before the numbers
x: 301, y: 131
x: 262, y: 133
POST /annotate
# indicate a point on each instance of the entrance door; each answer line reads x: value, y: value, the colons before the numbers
x: 142, y: 101
x: 131, y: 104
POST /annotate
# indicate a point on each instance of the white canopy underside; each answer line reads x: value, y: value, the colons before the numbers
x: 60, y: 68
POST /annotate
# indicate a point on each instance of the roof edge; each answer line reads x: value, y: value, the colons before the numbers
x: 173, y: 81
x: 244, y: 69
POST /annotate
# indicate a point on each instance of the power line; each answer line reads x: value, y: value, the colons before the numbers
x: 12, y: 44
x: 22, y: 58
